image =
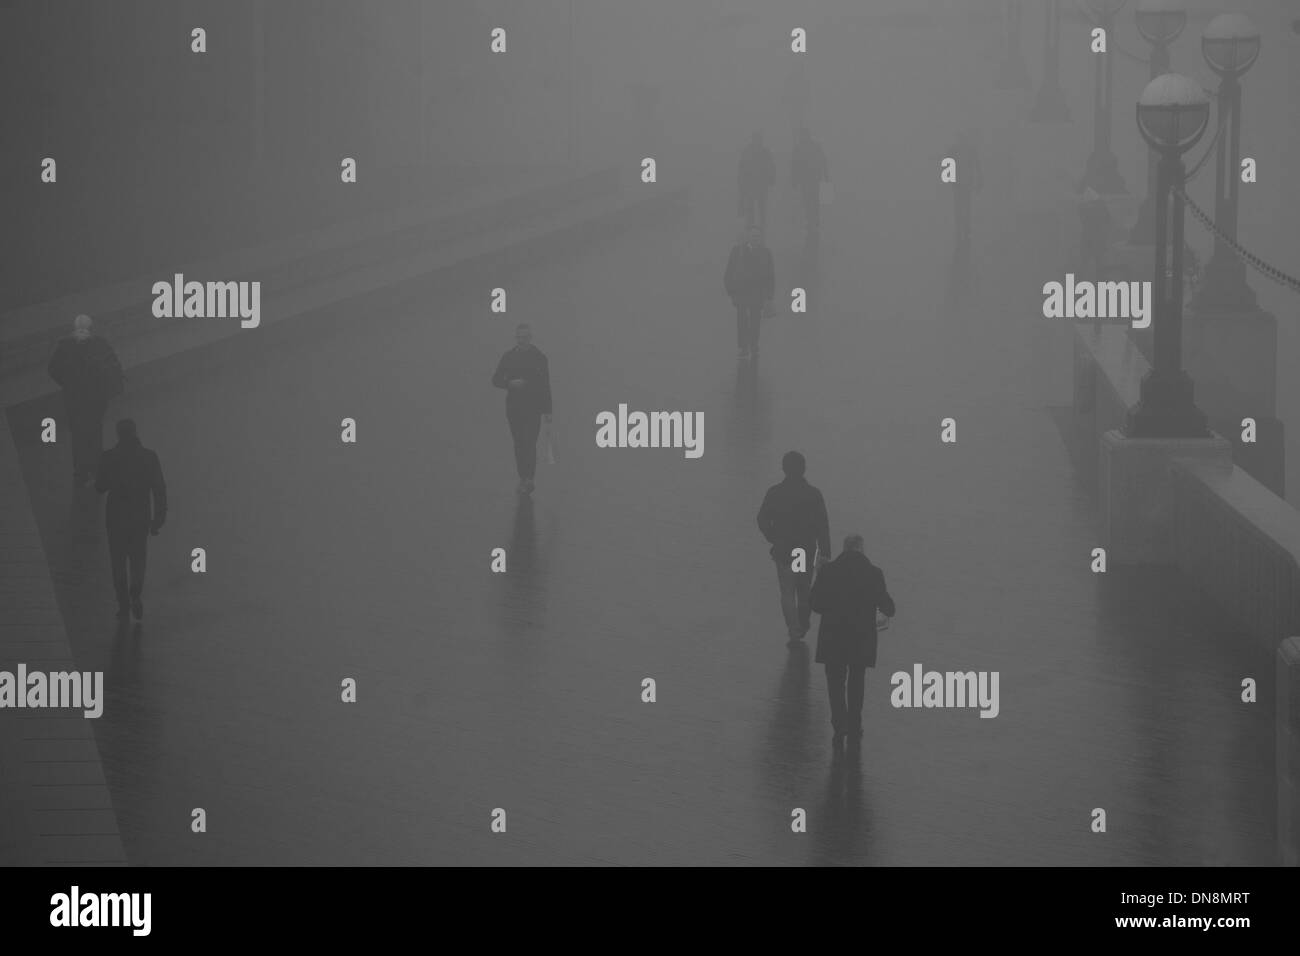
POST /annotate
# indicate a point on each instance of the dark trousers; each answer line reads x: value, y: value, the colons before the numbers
x: 846, y: 684
x: 525, y: 426
x: 753, y: 207
x: 86, y: 423
x: 126, y: 553
x: 748, y: 318
x: 795, y: 589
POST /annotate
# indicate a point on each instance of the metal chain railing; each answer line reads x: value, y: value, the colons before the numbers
x: 1252, y: 260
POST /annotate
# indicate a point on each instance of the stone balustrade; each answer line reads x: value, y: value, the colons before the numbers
x: 1232, y: 536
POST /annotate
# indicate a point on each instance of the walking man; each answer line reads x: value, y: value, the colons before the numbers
x: 793, y: 516
x: 755, y: 176
x: 525, y: 375
x: 87, y: 369
x: 849, y: 593
x: 136, y: 508
x: 750, y: 280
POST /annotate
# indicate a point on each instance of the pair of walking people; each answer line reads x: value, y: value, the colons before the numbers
x: 848, y: 593
x: 88, y: 370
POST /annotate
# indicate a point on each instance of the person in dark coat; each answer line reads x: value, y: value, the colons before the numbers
x: 87, y: 369
x: 136, y: 508
x: 793, y: 515
x: 755, y: 176
x: 526, y: 376
x: 848, y: 594
x: 808, y: 170
x: 750, y: 281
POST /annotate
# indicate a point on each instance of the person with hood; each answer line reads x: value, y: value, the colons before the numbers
x: 793, y: 515
x: 755, y: 176
x: 526, y: 376
x: 750, y: 281
x: 848, y: 594
x: 87, y: 369
x: 136, y: 508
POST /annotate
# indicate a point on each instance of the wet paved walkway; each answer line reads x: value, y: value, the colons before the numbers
x: 522, y: 690
x: 55, y: 806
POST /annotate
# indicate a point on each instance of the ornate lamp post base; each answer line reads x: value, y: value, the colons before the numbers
x: 1166, y: 409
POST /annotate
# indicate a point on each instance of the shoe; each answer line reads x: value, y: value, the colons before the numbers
x: 137, y: 608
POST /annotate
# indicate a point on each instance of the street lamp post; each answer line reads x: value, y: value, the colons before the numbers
x: 1230, y: 44
x: 1160, y: 22
x: 1050, y: 105
x: 1172, y: 114
x: 1013, y: 75
x: 1102, y: 172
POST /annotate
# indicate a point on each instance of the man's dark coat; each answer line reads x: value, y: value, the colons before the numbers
x: 132, y: 476
x: 88, y: 371
x: 750, y: 278
x: 529, y: 364
x: 847, y: 594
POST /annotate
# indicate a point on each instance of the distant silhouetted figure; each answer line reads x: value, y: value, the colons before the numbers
x: 808, y: 170
x: 133, y: 478
x: 86, y: 368
x: 756, y: 173
x: 849, y: 592
x: 526, y: 376
x: 793, y: 515
x: 970, y: 180
x: 750, y: 281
